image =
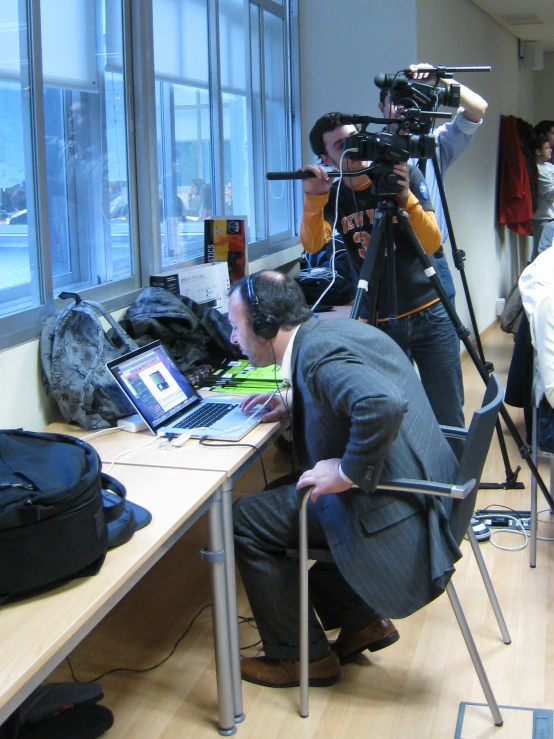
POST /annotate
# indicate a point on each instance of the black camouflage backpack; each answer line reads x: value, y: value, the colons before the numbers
x: 74, y: 349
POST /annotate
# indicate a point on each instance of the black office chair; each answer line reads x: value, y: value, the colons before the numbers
x: 464, y: 491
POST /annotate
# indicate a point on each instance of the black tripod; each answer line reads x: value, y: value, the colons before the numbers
x: 459, y: 258
x: 382, y: 247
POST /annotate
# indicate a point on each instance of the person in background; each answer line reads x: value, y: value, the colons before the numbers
x: 194, y: 198
x: 205, y: 202
x: 544, y: 214
x: 546, y: 128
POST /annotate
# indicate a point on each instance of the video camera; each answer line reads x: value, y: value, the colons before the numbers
x: 385, y: 149
x: 424, y: 95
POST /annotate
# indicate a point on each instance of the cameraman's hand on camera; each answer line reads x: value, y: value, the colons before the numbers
x: 318, y: 185
x: 473, y: 104
x: 402, y: 172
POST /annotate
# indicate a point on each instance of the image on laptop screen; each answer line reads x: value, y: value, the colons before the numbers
x: 156, y: 385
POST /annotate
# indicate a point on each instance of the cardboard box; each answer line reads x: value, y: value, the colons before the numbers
x: 206, y: 284
x: 167, y: 281
x: 225, y: 241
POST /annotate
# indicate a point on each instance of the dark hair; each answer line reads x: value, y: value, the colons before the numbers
x: 278, y: 295
x: 383, y: 94
x: 326, y: 123
x: 539, y: 142
x: 543, y: 127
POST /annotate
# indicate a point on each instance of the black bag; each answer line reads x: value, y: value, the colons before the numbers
x: 316, y: 276
x: 60, y: 711
x: 53, y: 520
x: 513, y: 311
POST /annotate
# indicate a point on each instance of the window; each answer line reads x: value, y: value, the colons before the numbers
x: 114, y: 147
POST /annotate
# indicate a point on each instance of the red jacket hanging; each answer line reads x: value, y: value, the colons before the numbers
x: 515, y: 207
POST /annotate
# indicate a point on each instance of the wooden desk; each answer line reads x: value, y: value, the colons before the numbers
x: 143, y: 449
x: 231, y: 461
x: 37, y: 633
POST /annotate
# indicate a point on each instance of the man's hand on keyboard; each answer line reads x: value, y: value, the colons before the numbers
x: 276, y: 408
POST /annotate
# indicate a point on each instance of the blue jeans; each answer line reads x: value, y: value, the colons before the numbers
x: 443, y: 271
x: 429, y: 339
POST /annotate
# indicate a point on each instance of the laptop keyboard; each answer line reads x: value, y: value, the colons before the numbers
x: 205, y: 416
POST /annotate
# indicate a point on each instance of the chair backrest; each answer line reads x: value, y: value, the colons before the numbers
x: 475, y: 452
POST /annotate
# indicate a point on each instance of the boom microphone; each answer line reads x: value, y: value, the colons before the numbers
x: 298, y: 175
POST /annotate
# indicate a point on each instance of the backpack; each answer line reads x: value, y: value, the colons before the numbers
x: 513, y: 311
x: 53, y: 519
x: 317, y: 275
x: 74, y: 349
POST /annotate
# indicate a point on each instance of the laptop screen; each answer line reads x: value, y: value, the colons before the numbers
x: 154, y: 384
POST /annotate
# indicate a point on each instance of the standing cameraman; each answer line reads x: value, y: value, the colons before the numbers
x: 453, y: 138
x: 422, y: 329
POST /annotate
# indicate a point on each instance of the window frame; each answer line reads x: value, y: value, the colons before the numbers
x: 143, y: 200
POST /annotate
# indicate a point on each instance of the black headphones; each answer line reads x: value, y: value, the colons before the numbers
x: 264, y: 325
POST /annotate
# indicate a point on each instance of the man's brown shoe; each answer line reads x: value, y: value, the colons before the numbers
x: 378, y: 634
x: 285, y: 673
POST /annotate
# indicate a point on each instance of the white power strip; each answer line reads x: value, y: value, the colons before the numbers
x: 132, y: 423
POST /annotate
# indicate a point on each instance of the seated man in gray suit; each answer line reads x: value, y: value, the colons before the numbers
x: 359, y: 415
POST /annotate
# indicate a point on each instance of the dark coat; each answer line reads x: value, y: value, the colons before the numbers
x: 357, y: 397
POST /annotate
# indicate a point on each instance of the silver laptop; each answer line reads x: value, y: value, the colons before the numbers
x: 169, y: 404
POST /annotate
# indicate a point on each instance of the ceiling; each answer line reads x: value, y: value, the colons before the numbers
x: 529, y: 20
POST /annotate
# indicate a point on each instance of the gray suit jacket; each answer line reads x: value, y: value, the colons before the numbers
x: 357, y: 397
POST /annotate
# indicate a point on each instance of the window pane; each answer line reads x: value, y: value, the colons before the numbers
x: 183, y: 129
x: 19, y: 288
x: 87, y: 168
x: 260, y: 231
x: 277, y: 148
x: 237, y: 152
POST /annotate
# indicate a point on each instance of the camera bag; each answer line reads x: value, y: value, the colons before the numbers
x: 74, y: 349
x: 60, y: 711
x: 316, y: 277
x: 53, y: 518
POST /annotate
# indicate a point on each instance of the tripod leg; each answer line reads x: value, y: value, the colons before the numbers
x: 457, y: 255
x: 372, y: 266
x: 511, y: 482
x: 459, y: 258
x: 463, y: 333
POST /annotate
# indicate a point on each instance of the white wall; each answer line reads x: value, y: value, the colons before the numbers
x: 544, y: 90
x: 342, y: 47
x: 24, y: 404
x: 457, y: 33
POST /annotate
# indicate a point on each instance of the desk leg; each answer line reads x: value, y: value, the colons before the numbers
x: 215, y: 555
x: 234, y: 644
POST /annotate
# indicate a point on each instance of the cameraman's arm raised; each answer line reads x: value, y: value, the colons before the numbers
x: 473, y: 104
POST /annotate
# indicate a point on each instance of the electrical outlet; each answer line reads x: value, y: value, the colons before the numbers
x: 500, y: 303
